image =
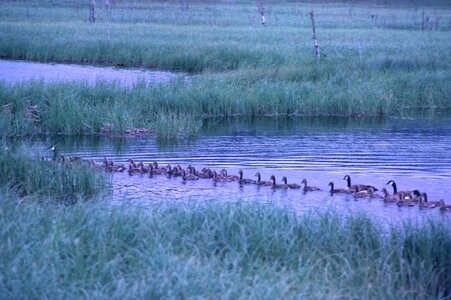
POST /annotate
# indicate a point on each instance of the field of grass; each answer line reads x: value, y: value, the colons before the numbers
x: 42, y: 178
x: 377, y: 61
x: 215, y: 251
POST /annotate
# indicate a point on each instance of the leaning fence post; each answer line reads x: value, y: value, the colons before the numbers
x: 261, y: 10
x: 92, y: 11
x: 317, y: 50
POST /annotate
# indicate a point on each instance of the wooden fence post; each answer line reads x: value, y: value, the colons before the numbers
x: 92, y: 11
x: 261, y: 10
x: 315, y: 42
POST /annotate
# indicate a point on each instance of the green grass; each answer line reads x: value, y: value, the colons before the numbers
x: 215, y: 251
x: 370, y: 67
x: 27, y: 176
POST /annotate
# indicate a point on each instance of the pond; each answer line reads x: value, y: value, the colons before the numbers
x: 14, y: 71
x: 414, y: 153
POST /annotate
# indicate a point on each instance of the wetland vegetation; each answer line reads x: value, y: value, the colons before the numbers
x: 369, y: 67
x: 377, y: 61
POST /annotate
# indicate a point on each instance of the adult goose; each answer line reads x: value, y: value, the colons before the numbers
x: 402, y: 194
x: 357, y: 187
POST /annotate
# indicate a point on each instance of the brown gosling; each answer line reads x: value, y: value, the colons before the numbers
x: 307, y: 188
x: 277, y: 186
x: 443, y: 206
x: 390, y: 198
x: 229, y: 177
x: 424, y: 204
x: 292, y: 185
x: 337, y: 191
x: 245, y: 180
x: 260, y: 182
x: 186, y: 176
x: 217, y: 178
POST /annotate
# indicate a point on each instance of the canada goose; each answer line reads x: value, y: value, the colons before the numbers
x: 416, y: 196
x: 142, y: 169
x: 260, y: 182
x: 405, y: 202
x: 131, y: 164
x: 337, y: 191
x: 390, y: 198
x: 357, y: 187
x: 307, y: 188
x: 424, y: 203
x: 206, y: 173
x: 229, y: 177
x: 444, y: 206
x: 244, y: 180
x: 177, y: 171
x: 116, y: 167
x: 402, y: 194
x: 372, y: 194
x: 361, y: 194
x: 292, y: 185
x: 217, y: 178
x: 424, y: 197
x: 277, y: 186
x: 186, y: 176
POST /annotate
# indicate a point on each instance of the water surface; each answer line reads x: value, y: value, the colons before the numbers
x: 414, y: 153
x: 15, y: 71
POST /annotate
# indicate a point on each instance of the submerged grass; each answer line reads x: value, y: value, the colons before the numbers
x: 215, y: 251
x: 27, y: 176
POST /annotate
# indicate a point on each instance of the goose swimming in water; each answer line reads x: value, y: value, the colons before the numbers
x: 337, y: 191
x: 307, y: 188
x: 260, y: 182
x: 402, y: 194
x: 357, y: 187
x: 277, y: 186
x: 245, y: 180
x: 292, y: 185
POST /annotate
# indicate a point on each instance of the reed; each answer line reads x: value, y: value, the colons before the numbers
x: 27, y: 176
x: 215, y: 250
x: 241, y: 68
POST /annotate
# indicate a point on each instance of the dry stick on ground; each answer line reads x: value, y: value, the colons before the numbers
x: 317, y: 50
x: 261, y: 10
x: 92, y: 11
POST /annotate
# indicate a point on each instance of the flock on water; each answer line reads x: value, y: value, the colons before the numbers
x: 401, y: 198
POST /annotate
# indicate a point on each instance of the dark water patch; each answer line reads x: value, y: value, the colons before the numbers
x: 415, y: 153
x: 14, y: 71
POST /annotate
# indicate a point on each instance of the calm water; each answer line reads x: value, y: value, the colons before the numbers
x: 414, y: 153
x: 13, y: 71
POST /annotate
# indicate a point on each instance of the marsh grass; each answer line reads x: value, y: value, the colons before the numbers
x: 241, y: 69
x: 215, y: 251
x: 27, y: 176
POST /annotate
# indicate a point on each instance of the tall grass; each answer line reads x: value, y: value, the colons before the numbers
x: 245, y: 70
x: 178, y: 109
x: 215, y: 251
x: 26, y: 176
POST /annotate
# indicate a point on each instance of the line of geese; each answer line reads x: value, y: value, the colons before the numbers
x: 401, y: 198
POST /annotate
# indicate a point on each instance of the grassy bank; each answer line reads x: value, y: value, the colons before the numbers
x: 215, y: 251
x: 376, y: 60
x: 26, y: 176
x: 178, y: 109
